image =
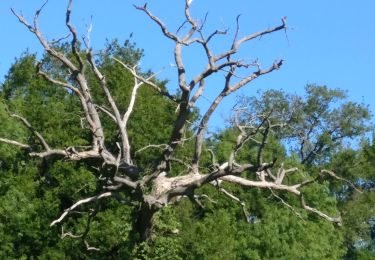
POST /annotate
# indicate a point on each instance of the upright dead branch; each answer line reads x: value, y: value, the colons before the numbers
x: 214, y: 65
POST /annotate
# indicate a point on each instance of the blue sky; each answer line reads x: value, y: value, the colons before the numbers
x: 330, y: 42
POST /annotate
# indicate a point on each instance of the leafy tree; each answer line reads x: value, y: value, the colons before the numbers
x: 358, y: 208
x: 315, y: 125
x: 318, y: 126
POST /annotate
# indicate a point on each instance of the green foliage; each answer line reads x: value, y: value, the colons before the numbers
x: 220, y: 231
x: 34, y: 192
x: 357, y: 209
x: 317, y: 124
x: 50, y: 109
x: 23, y: 213
x: 224, y: 142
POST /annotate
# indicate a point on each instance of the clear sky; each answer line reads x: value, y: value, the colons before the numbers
x: 329, y: 42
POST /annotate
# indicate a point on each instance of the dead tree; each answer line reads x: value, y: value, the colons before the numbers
x: 158, y: 189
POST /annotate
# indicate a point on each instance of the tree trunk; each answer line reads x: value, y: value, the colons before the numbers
x: 145, y: 221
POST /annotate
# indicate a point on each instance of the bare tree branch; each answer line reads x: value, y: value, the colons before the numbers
x: 121, y: 125
x: 32, y: 129
x: 287, y: 205
x: 55, y: 41
x: 247, y: 38
x: 90, y: 248
x: 147, y: 81
x: 89, y: 108
x: 158, y: 22
x: 68, y: 234
x: 333, y: 175
x: 12, y: 142
x: 59, y: 83
x: 107, y: 112
x: 74, y: 40
x: 336, y: 220
x: 228, y: 89
x: 242, y: 203
x: 80, y: 202
x: 260, y: 184
x: 159, y: 146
